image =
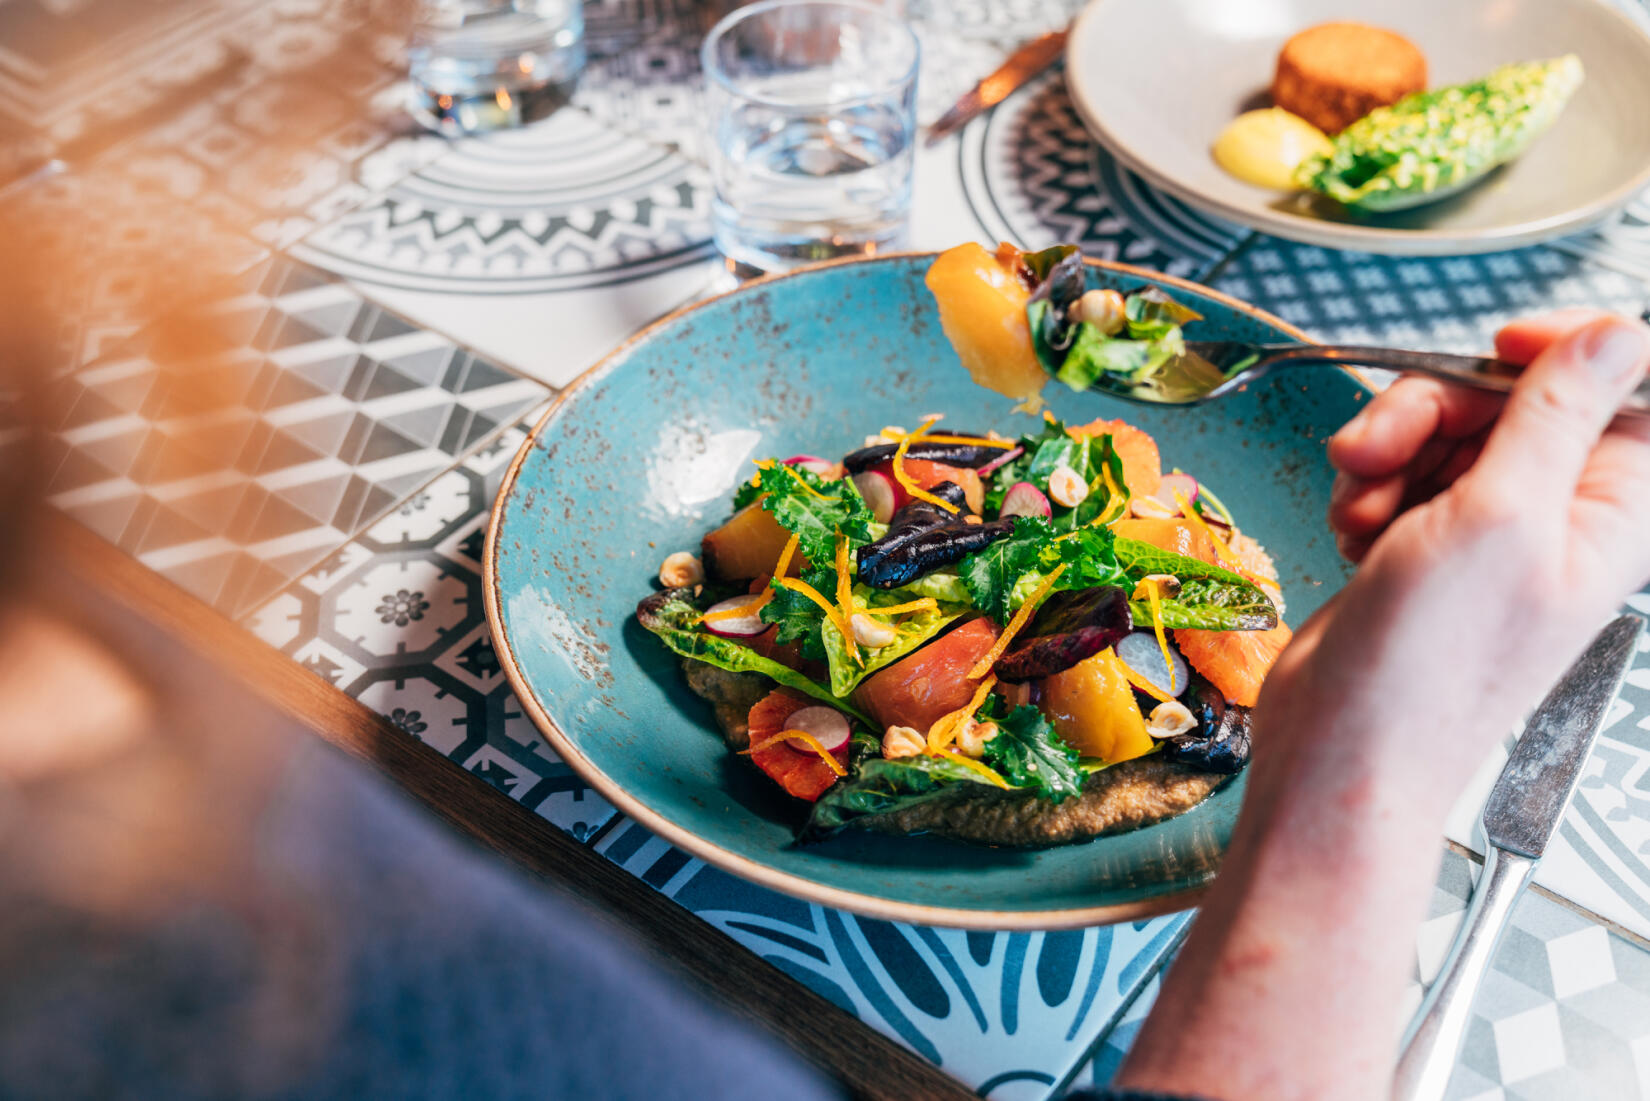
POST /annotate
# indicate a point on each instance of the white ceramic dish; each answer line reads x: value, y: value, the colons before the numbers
x: 1156, y: 80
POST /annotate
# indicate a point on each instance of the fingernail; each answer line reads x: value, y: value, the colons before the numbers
x: 1353, y: 430
x: 1617, y: 349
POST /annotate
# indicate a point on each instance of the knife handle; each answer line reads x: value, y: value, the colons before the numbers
x: 1427, y: 1057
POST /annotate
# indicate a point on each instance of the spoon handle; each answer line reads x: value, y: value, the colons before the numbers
x: 1482, y: 372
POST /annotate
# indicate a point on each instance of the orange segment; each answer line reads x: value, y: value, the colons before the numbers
x: 1179, y: 536
x: 798, y: 771
x: 1142, y: 465
x: 1235, y: 662
x: 982, y: 305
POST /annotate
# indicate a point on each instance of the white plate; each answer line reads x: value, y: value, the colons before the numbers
x: 1157, y: 80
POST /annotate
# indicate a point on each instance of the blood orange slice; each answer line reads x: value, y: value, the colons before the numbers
x: 1236, y: 662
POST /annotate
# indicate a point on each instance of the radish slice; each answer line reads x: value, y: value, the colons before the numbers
x: 736, y: 626
x: 1025, y: 499
x: 1184, y: 484
x: 813, y: 464
x: 1139, y: 651
x: 878, y: 492
x: 827, y: 725
x: 1006, y: 457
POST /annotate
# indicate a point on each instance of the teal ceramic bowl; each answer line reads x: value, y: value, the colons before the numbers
x: 640, y: 457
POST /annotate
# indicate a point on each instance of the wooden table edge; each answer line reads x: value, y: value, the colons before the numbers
x: 866, y: 1062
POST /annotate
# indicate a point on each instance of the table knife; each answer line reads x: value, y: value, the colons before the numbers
x: 1023, y: 64
x: 1523, y: 811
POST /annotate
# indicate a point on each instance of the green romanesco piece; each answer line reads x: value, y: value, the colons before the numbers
x: 1432, y: 144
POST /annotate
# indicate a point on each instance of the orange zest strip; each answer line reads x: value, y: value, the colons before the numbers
x: 1143, y: 684
x: 768, y: 464
x: 1155, y: 602
x: 923, y: 604
x: 799, y: 586
x: 756, y: 604
x: 1021, y: 618
x: 944, y: 730
x: 1117, y: 496
x: 845, y: 594
x: 806, y: 739
x: 1221, y: 549
x: 970, y: 441
x: 906, y: 481
x: 991, y: 775
x: 753, y: 605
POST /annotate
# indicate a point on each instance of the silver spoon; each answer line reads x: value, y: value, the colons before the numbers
x: 1212, y: 369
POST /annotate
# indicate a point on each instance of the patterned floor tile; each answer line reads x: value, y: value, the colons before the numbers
x: 1563, y: 1014
x: 395, y: 620
x: 66, y: 68
x: 1006, y: 1013
x: 313, y: 123
x: 1451, y: 304
x: 117, y: 253
x: 1033, y: 175
x: 231, y: 450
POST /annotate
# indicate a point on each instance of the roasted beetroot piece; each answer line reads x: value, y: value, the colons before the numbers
x: 923, y: 537
x: 1220, y: 743
x: 956, y: 454
x: 1069, y: 628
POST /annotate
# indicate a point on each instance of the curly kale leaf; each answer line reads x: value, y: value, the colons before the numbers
x: 813, y: 509
x: 1028, y: 753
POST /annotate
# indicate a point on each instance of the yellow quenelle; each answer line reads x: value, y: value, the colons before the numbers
x: 1263, y: 147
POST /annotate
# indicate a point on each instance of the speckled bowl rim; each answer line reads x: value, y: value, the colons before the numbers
x: 1383, y: 240
x: 746, y: 868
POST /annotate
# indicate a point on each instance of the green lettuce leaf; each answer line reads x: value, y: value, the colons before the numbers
x: 1211, y: 598
x: 991, y: 574
x: 675, y: 623
x: 911, y: 631
x: 882, y: 786
x: 1054, y: 446
x: 1028, y: 753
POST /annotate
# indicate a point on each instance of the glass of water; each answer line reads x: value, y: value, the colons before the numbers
x: 812, y: 107
x: 493, y: 64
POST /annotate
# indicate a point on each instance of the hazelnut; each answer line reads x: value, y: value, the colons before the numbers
x: 902, y: 741
x: 1102, y: 308
x: 1067, y: 487
x: 973, y: 735
x: 871, y: 633
x: 1170, y: 719
x: 1168, y: 587
x: 1150, y: 508
x: 681, y: 570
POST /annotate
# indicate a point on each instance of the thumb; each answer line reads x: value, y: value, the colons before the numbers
x: 1562, y: 403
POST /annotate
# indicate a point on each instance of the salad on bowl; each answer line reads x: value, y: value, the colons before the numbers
x: 1012, y: 640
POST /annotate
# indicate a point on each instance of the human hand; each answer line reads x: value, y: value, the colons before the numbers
x: 1494, y: 537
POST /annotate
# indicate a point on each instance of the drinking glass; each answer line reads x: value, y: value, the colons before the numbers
x: 812, y: 109
x: 492, y: 64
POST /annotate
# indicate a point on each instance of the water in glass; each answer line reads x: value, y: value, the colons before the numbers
x: 813, y: 118
x: 490, y: 64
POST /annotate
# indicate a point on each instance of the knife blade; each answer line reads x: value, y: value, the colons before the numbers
x: 1541, y: 775
x: 1023, y: 64
x: 1524, y: 809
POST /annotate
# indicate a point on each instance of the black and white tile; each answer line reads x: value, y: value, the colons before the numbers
x: 1563, y: 1014
x: 1031, y: 174
x: 1006, y: 1013
x: 297, y: 414
x: 395, y: 619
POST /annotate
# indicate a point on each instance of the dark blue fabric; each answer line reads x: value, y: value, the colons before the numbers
x: 381, y: 957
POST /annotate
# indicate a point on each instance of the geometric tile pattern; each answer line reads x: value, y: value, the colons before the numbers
x: 567, y: 203
x: 395, y: 619
x: 1032, y: 174
x: 310, y: 124
x: 296, y: 414
x: 1002, y: 1012
x: 1564, y: 1012
x: 1448, y: 304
